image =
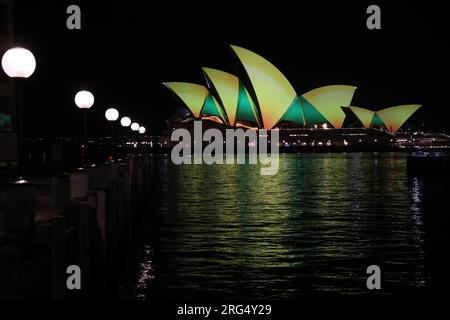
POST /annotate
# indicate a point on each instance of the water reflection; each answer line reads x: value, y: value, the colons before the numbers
x: 225, y: 231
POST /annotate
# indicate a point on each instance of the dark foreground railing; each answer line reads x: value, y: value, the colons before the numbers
x: 85, y: 218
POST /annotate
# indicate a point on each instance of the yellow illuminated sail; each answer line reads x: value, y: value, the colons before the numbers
x: 273, y: 91
x: 227, y: 87
x: 193, y: 95
x: 395, y: 117
x: 328, y: 101
x: 364, y: 115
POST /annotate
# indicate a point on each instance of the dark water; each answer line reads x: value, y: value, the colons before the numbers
x: 226, y: 232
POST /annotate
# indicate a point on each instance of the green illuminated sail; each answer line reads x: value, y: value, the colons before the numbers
x: 295, y: 113
x: 377, y: 122
x: 310, y: 114
x: 328, y: 100
x: 212, y: 108
x: 246, y: 110
x: 226, y: 86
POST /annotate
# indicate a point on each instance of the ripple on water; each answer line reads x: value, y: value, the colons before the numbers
x: 225, y: 231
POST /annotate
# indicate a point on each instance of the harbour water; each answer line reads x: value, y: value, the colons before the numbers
x: 226, y: 232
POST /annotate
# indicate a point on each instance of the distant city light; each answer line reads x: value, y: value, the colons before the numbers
x: 21, y: 181
x: 325, y: 126
x: 112, y: 114
x: 18, y: 63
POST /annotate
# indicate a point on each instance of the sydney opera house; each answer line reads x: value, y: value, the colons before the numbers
x: 262, y: 97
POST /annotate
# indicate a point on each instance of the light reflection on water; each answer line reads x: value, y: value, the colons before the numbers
x: 225, y: 231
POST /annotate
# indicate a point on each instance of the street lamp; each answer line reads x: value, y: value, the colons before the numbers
x: 141, y: 131
x: 84, y: 100
x: 125, y: 121
x: 19, y: 63
x: 135, y: 126
x: 112, y: 115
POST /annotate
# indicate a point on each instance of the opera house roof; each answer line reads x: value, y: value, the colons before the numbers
x: 265, y: 97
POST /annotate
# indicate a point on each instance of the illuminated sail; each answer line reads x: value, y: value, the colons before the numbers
x: 212, y: 108
x: 377, y: 122
x: 295, y: 113
x: 247, y: 110
x: 395, y: 117
x: 310, y: 114
x: 328, y: 101
x: 227, y: 87
x: 273, y: 91
x: 364, y: 115
x: 193, y: 95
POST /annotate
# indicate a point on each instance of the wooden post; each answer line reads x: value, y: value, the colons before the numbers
x: 20, y: 207
x: 58, y: 255
x: 84, y: 247
x: 9, y: 273
x: 61, y: 191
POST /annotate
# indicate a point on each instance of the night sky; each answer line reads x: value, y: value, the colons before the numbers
x: 125, y: 51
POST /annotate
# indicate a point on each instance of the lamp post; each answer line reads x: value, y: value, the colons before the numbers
x: 19, y: 64
x: 135, y: 128
x: 125, y: 122
x: 141, y: 132
x: 84, y: 100
x: 112, y: 115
